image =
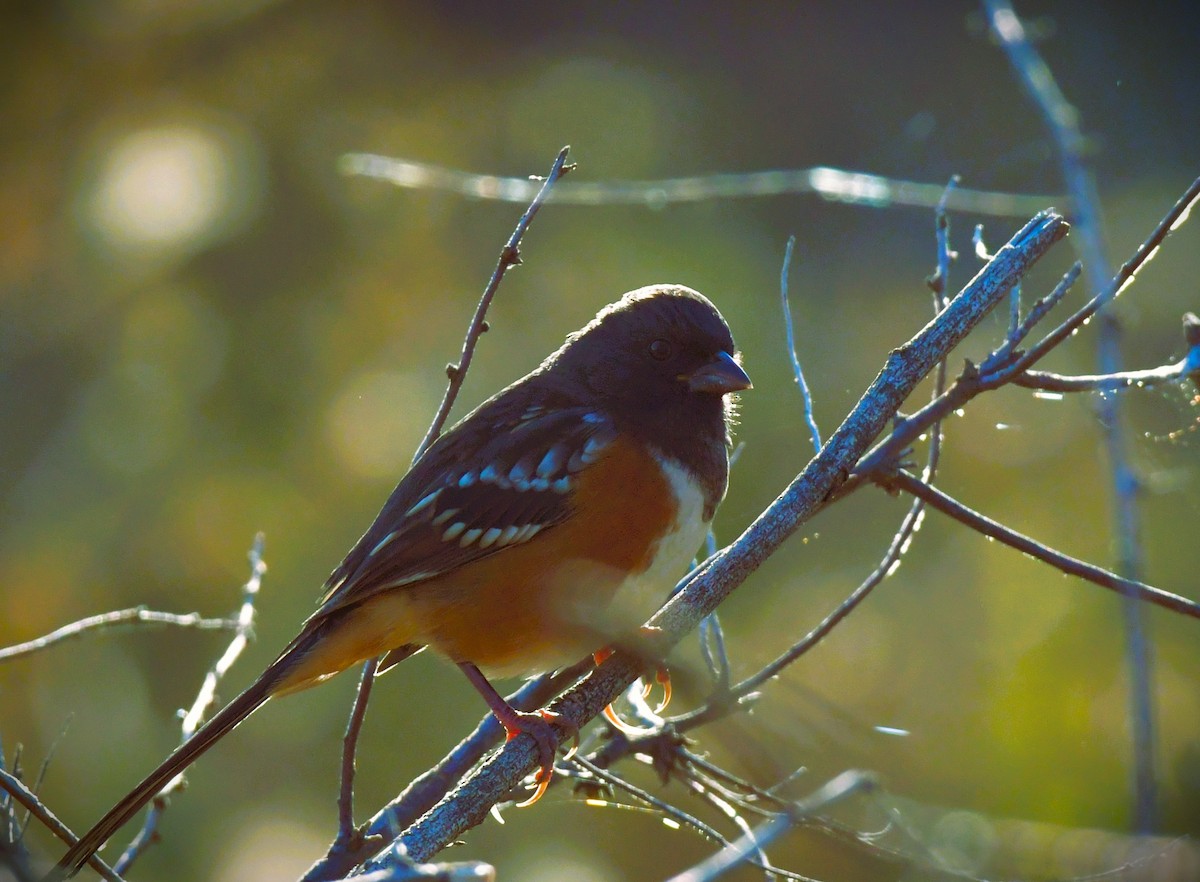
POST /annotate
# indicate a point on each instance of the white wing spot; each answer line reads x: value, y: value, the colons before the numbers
x: 551, y: 462
x: 408, y: 580
x: 386, y: 539
x: 562, y: 485
x: 423, y: 504
x: 519, y: 474
x: 489, y: 538
x: 470, y: 536
x: 444, y: 516
x: 527, y: 532
x: 592, y: 448
x: 507, y: 535
x: 452, y: 531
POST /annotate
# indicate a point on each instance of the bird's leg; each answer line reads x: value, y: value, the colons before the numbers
x: 538, y: 724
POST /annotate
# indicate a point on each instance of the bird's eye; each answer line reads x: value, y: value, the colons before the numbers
x: 661, y: 350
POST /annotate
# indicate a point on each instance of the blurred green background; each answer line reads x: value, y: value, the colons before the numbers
x: 206, y: 331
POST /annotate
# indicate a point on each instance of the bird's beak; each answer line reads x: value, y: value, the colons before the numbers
x: 719, y: 376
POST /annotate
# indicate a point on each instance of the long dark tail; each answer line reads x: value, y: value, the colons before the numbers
x: 187, y: 753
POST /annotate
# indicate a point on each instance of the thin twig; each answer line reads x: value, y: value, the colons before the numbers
x: 44, y: 766
x: 844, y: 785
x: 1051, y: 382
x: 1171, y: 221
x: 1071, y: 566
x: 204, y: 700
x: 945, y: 255
x: 13, y: 852
x: 117, y: 619
x: 1017, y: 333
x: 1004, y: 365
x: 838, y: 185
x: 671, y: 811
x: 350, y: 746
x: 886, y: 567
x: 22, y: 794
x: 509, y: 256
x: 797, y: 371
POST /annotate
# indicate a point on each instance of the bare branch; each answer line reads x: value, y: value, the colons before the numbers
x: 204, y: 699
x: 426, y: 790
x: 112, y: 621
x: 797, y: 371
x: 1018, y: 332
x: 1005, y: 364
x: 908, y: 526
x: 839, y: 185
x: 834, y: 791
x: 15, y: 788
x: 509, y: 256
x: 670, y: 811
x: 1071, y: 566
x: 1172, y: 221
x: 1051, y: 382
x: 349, y: 747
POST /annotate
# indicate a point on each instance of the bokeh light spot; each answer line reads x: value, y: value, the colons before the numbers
x: 268, y: 848
x: 172, y: 188
x: 377, y: 420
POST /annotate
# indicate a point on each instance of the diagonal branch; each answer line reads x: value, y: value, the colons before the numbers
x: 948, y: 505
x: 22, y: 794
x: 705, y: 588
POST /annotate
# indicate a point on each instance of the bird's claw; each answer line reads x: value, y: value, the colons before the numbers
x: 539, y: 725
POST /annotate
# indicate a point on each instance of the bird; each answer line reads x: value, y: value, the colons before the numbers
x: 547, y: 522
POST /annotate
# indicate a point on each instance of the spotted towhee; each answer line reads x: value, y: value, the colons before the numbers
x: 553, y: 518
